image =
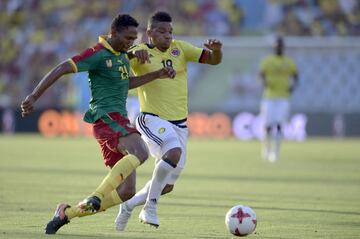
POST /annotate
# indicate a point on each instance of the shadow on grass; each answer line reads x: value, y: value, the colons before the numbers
x: 272, y: 179
x: 62, y: 172
x: 27, y: 234
x: 203, y: 205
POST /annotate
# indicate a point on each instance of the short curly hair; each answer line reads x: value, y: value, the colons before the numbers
x: 122, y: 21
x: 159, y: 17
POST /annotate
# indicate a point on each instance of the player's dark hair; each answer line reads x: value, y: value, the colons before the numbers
x: 279, y: 46
x: 159, y: 17
x: 122, y: 21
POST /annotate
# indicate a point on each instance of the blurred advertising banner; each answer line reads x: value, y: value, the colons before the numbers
x: 243, y: 125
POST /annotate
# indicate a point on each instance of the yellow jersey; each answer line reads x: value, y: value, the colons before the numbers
x: 132, y: 92
x: 167, y: 98
x: 277, y: 70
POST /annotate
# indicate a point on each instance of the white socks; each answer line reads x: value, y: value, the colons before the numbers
x: 266, y: 147
x: 271, y: 145
x: 139, y: 198
x: 276, y: 141
x: 161, y: 172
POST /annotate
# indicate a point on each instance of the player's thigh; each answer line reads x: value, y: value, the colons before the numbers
x: 183, y: 134
x: 134, y: 144
x: 118, y: 135
x: 282, y: 107
x: 158, y: 134
x: 107, y: 131
x: 268, y: 112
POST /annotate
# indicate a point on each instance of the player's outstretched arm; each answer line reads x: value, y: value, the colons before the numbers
x: 141, y: 55
x: 27, y: 105
x: 215, y: 54
x: 166, y: 72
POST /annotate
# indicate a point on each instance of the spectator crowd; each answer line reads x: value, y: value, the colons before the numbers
x: 36, y: 34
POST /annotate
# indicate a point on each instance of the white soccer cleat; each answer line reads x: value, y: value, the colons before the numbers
x: 148, y: 214
x: 122, y: 217
x: 273, y: 157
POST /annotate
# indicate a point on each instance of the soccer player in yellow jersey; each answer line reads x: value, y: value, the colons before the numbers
x: 164, y: 109
x: 279, y: 75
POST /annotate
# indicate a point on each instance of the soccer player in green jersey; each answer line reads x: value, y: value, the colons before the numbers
x: 279, y: 75
x: 164, y: 109
x: 123, y: 149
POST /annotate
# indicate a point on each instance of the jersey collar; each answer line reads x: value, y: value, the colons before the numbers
x: 103, y: 41
x: 151, y: 46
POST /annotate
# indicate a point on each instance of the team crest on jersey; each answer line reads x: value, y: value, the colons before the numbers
x: 108, y: 63
x: 161, y: 130
x: 175, y: 52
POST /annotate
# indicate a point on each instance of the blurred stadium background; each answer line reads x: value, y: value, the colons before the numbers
x: 321, y: 35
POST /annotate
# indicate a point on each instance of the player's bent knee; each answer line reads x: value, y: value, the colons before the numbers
x: 168, y: 188
x: 173, y: 155
x: 133, y: 144
x: 143, y: 151
x: 142, y: 154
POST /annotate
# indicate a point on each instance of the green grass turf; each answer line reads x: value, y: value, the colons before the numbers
x: 312, y: 192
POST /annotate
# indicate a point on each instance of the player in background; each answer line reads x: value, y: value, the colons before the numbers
x: 279, y: 76
x: 164, y: 110
x: 123, y: 149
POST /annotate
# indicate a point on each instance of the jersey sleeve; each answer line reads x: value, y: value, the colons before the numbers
x: 86, y: 60
x: 192, y: 53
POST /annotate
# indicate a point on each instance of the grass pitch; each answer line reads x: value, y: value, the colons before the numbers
x: 312, y: 192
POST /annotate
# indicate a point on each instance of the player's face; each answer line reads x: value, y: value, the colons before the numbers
x: 124, y: 39
x: 161, y: 35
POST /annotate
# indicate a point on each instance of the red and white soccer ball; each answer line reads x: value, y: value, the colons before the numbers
x: 240, y: 220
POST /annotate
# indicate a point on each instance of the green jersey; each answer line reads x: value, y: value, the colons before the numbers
x: 108, y: 79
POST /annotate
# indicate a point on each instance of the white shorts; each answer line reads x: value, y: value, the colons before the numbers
x: 133, y: 108
x: 160, y: 136
x: 275, y: 111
